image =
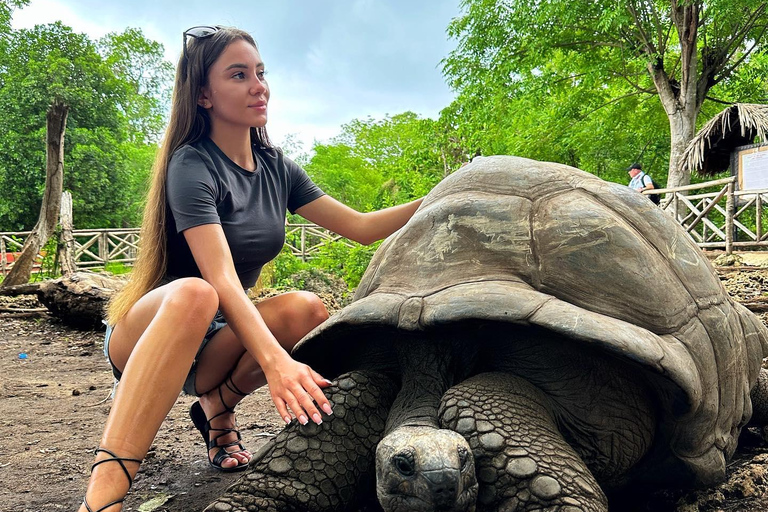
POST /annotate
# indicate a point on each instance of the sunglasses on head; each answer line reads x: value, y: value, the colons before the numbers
x: 199, y: 32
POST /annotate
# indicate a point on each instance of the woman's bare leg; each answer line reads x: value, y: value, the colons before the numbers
x: 155, y: 356
x: 289, y: 317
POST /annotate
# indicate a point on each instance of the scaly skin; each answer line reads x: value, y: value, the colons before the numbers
x: 419, y: 466
x: 319, y: 467
x: 759, y: 397
x: 522, y: 461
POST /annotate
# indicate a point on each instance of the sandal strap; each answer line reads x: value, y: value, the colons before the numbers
x: 112, y: 458
x: 105, y: 507
x: 230, y: 383
x: 214, y: 442
x: 119, y: 460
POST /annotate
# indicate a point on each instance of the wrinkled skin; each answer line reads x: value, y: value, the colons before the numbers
x: 424, y: 469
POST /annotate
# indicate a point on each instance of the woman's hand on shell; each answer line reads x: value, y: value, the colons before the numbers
x: 296, y: 386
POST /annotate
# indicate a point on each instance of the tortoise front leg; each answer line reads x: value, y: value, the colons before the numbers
x: 319, y: 467
x: 759, y: 396
x: 522, y: 461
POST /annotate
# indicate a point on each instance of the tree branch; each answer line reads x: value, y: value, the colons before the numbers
x: 738, y: 37
x: 715, y: 100
x: 645, y: 40
x: 636, y: 86
x: 727, y: 70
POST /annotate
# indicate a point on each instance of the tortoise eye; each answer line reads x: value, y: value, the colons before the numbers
x: 404, y: 463
x: 463, y: 458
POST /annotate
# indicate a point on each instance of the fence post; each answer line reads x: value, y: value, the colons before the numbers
x: 3, y: 259
x: 729, y: 204
x: 104, y: 248
x: 303, y: 243
x: 759, y: 218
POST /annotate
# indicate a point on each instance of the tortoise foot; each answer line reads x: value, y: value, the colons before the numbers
x: 521, y: 459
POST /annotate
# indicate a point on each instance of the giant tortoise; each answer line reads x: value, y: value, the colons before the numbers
x: 532, y: 339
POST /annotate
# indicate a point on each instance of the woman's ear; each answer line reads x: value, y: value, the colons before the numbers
x: 203, y: 100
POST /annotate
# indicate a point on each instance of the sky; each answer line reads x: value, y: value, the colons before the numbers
x: 328, y: 61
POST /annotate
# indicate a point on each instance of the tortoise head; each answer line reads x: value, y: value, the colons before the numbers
x: 425, y: 469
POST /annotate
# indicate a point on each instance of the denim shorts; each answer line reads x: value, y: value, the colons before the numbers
x: 217, y: 324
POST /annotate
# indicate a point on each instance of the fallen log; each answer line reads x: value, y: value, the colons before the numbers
x: 79, y: 299
x: 756, y: 304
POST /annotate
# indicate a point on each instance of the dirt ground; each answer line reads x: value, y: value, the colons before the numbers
x: 54, y: 388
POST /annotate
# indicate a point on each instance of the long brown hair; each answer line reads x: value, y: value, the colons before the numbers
x: 188, y: 123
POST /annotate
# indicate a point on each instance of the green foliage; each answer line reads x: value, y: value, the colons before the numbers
x: 335, y: 258
x: 279, y: 272
x: 573, y: 82
x: 113, y: 89
x: 117, y: 268
x: 47, y: 262
x: 349, y: 263
x: 378, y: 163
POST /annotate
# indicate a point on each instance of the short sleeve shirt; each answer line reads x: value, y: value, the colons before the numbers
x: 205, y: 187
x: 640, y: 181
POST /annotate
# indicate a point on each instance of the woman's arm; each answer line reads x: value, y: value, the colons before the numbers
x: 291, y: 384
x: 364, y: 228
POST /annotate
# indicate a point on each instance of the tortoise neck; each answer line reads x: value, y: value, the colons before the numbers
x: 427, y: 373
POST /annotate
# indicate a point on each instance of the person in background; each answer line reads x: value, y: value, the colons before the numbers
x: 638, y: 179
x: 215, y: 215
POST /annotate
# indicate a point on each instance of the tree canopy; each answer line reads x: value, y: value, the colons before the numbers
x: 115, y: 117
x: 600, y: 79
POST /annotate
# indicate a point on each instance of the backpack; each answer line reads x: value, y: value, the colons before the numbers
x: 656, y: 198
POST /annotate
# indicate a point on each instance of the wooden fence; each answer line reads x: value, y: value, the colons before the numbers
x: 95, y: 248
x: 714, y: 214
x: 717, y: 216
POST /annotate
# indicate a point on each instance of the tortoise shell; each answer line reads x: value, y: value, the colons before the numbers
x: 517, y: 241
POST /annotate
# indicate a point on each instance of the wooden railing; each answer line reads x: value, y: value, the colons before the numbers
x: 717, y: 216
x: 305, y: 240
x: 95, y: 248
x: 714, y: 214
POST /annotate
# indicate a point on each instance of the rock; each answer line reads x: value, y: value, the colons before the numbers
x: 729, y: 260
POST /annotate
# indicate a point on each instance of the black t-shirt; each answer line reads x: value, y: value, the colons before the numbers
x: 205, y: 187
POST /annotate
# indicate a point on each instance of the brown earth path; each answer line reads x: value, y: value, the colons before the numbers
x: 53, y: 405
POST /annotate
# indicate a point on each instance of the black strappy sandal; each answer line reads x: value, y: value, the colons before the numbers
x: 203, y: 424
x: 119, y: 460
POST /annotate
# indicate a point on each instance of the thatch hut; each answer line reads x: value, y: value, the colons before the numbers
x: 709, y: 152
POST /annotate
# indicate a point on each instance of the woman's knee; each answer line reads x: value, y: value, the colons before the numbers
x: 194, y: 298
x: 299, y: 314
x: 313, y: 310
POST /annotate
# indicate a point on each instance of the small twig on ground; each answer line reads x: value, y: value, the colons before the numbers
x: 109, y: 395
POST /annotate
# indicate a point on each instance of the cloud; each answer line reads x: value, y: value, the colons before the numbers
x: 328, y: 62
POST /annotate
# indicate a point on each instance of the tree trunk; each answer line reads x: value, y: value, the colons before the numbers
x: 681, y: 99
x: 65, y: 249
x: 49, y: 210
x: 682, y: 126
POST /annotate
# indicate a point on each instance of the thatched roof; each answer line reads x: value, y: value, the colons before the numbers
x: 709, y: 152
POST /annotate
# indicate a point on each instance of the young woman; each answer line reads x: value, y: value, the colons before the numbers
x: 215, y: 214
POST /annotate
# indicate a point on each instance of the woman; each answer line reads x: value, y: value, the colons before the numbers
x: 215, y: 215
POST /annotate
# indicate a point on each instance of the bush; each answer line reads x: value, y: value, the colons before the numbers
x: 349, y: 263
x: 279, y: 272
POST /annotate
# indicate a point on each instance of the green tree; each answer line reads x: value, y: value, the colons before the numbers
x: 146, y: 79
x: 379, y: 163
x: 115, y: 113
x: 6, y: 11
x: 603, y: 57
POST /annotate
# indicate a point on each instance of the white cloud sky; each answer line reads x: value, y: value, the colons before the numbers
x: 329, y: 61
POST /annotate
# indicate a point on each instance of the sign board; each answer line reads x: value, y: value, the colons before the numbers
x: 752, y: 167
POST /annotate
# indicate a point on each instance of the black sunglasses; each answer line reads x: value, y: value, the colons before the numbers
x: 199, y: 32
